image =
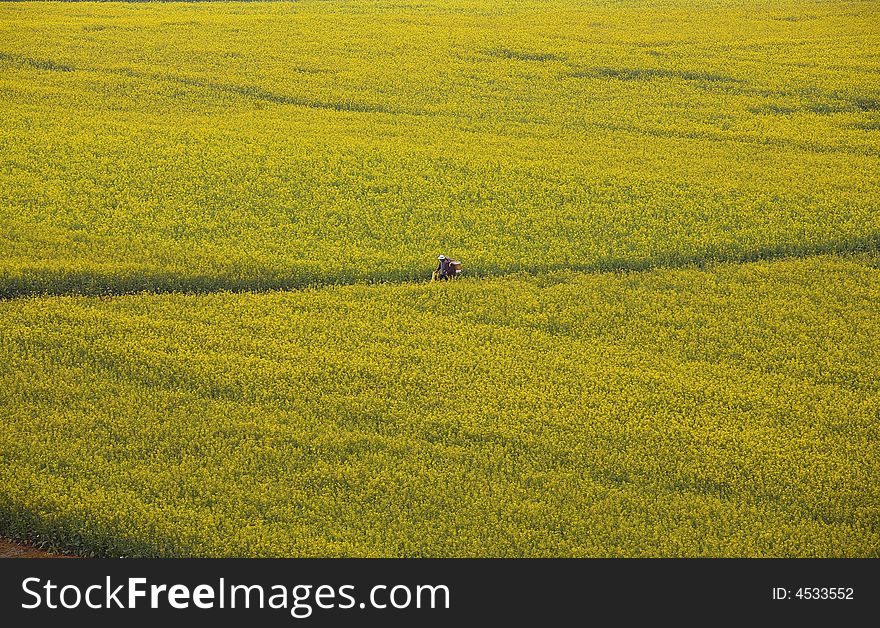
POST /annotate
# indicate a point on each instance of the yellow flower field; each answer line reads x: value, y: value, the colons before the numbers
x: 266, y: 145
x: 729, y: 411
x: 218, y: 222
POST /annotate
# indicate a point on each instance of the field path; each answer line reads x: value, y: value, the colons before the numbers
x: 14, y: 549
x: 89, y: 284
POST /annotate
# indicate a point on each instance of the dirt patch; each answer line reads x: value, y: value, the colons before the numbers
x: 14, y: 549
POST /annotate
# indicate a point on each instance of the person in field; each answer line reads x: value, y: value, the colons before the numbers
x: 443, y: 268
